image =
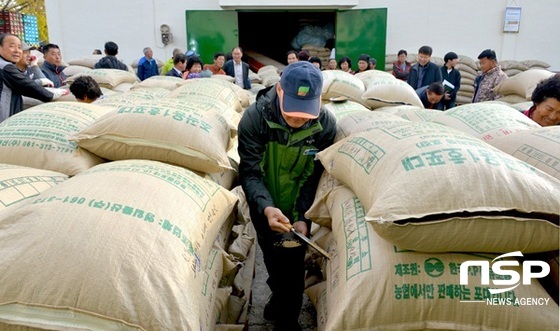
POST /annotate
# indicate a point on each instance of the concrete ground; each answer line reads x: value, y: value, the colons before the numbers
x: 260, y: 294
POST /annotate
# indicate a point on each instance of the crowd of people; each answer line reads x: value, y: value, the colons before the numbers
x: 279, y: 134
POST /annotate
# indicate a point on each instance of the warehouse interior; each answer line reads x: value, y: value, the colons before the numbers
x: 272, y: 33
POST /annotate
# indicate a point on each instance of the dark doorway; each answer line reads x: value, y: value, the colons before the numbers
x: 272, y: 33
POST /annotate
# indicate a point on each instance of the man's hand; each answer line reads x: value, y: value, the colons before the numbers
x: 33, y: 61
x: 301, y: 227
x: 58, y: 92
x: 447, y: 96
x: 46, y: 82
x: 276, y: 220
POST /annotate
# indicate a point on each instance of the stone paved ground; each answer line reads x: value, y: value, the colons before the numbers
x: 307, y: 318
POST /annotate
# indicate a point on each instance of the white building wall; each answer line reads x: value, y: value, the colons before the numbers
x: 465, y: 27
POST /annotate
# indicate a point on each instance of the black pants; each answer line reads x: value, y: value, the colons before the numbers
x: 286, y: 269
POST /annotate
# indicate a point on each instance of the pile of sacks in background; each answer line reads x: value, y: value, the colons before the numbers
x: 470, y: 69
x: 321, y: 52
x: 409, y: 195
x: 313, y: 35
x: 137, y: 196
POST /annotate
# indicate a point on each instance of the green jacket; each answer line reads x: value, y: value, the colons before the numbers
x: 278, y: 166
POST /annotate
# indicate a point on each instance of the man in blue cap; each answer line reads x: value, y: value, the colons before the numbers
x: 279, y: 136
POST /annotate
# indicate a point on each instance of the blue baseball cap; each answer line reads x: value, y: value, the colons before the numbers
x: 302, y: 83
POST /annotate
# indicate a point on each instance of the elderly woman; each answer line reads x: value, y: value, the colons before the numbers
x: 546, y: 102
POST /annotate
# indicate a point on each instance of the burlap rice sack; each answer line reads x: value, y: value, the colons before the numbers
x: 538, y: 147
x: 172, y: 131
x: 524, y: 83
x: 411, y: 113
x: 211, y: 88
x: 167, y: 82
x: 468, y: 61
x: 512, y: 98
x: 108, y: 78
x: 38, y: 137
x: 86, y: 61
x: 485, y: 120
x: 124, y: 87
x: 369, y: 278
x: 522, y: 106
x: 227, y: 78
x: 364, y: 121
x: 241, y: 93
x: 270, y: 80
x: 225, y: 178
x: 419, y: 181
x: 267, y: 70
x: 337, y: 83
x: 463, y: 99
x: 21, y: 183
x: 383, y: 91
x: 213, y: 298
x: 536, y: 64
x: 373, y: 74
x: 319, y: 211
x: 132, y: 97
x: 253, y: 76
x: 343, y: 109
x: 72, y: 70
x: 511, y: 64
x: 466, y: 69
x: 121, y: 247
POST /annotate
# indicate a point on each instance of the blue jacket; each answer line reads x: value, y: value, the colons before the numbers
x: 230, y: 70
x: 147, y: 68
x: 432, y: 73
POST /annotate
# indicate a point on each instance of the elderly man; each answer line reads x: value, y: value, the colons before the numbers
x: 492, y: 75
x: 14, y: 83
x: 147, y: 66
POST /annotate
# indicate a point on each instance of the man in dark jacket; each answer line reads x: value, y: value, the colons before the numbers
x: 451, y: 81
x: 431, y: 95
x: 52, y: 66
x: 238, y: 69
x: 279, y: 136
x: 14, y: 83
x: 179, y: 66
x: 424, y: 72
x: 110, y: 61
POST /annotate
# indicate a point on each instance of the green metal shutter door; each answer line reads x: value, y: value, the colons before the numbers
x: 211, y: 31
x: 362, y: 31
